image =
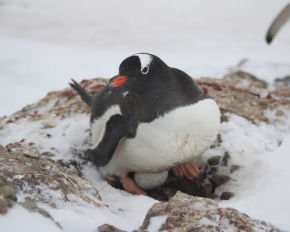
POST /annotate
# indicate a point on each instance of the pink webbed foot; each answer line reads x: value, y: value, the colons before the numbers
x: 130, y: 186
x: 188, y: 170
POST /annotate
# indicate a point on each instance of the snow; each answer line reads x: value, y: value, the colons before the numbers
x: 26, y: 222
x: 43, y: 44
x: 156, y: 223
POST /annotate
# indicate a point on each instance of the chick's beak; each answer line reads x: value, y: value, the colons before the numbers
x: 118, y: 81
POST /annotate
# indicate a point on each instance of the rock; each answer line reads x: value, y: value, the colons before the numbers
x: 247, y: 76
x: 214, y: 160
x: 168, y: 192
x: 226, y: 158
x: 109, y: 228
x: 206, y: 190
x: 283, y: 81
x: 224, y: 118
x: 8, y: 200
x: 234, y: 96
x: 234, y: 168
x: 213, y: 170
x: 114, y: 182
x: 8, y: 192
x: 31, y: 207
x: 188, y: 213
x: 24, y: 168
x: 219, y: 137
x: 282, y: 91
x: 47, y: 154
x: 217, y: 180
x: 226, y: 195
x: 5, y: 204
x: 72, y: 103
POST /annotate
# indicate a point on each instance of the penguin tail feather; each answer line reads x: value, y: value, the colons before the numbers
x: 84, y: 95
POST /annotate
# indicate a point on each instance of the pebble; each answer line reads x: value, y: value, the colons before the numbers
x: 226, y: 158
x: 213, y: 171
x: 219, y: 137
x: 206, y: 190
x: 214, y: 160
x: 219, y: 180
x: 235, y: 168
x: 226, y: 195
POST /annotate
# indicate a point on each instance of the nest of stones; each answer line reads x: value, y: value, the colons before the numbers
x: 203, y: 186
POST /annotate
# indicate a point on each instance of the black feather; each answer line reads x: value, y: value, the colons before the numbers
x: 84, y: 95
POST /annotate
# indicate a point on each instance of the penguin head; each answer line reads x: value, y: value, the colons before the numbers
x: 140, y: 72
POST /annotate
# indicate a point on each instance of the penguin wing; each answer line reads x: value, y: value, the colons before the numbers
x: 116, y: 129
x: 278, y: 23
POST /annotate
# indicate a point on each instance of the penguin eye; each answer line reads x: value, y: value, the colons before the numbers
x: 145, y: 70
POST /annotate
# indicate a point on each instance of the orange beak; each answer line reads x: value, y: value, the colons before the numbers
x: 118, y: 81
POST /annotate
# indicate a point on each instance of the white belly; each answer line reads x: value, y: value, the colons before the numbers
x: 178, y: 137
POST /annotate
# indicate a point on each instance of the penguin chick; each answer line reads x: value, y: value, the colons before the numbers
x: 150, y: 118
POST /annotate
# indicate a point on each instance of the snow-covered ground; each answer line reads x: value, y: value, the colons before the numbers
x: 43, y: 44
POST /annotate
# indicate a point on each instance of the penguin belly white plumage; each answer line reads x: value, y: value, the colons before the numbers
x: 178, y: 137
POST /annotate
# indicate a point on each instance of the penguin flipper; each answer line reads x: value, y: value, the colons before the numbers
x: 116, y: 130
x: 84, y: 95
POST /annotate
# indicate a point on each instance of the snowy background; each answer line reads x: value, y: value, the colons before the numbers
x: 43, y: 44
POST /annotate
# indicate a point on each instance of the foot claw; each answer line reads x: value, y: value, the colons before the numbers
x: 189, y: 170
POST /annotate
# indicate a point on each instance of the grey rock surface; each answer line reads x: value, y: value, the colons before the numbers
x: 23, y: 169
x: 188, y: 213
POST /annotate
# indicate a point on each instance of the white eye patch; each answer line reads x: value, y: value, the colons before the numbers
x: 145, y: 61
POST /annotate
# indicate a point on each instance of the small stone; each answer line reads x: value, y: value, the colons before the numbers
x: 2, y: 183
x: 224, y: 118
x: 213, y: 171
x: 4, y: 205
x: 247, y: 76
x: 168, y: 192
x: 226, y: 195
x: 214, y: 160
x: 206, y: 190
x: 219, y: 137
x: 31, y: 207
x: 114, y: 182
x: 226, y: 158
x: 158, y: 197
x: 217, y: 180
x: 235, y: 168
x: 47, y: 154
x: 8, y: 193
x: 283, y: 81
x: 109, y: 228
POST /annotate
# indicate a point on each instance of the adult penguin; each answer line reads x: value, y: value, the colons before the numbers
x: 151, y: 118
